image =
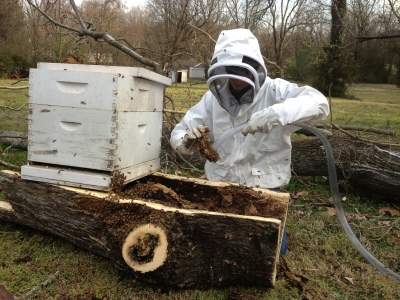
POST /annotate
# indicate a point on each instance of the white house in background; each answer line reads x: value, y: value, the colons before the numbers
x: 197, y: 71
x: 186, y: 70
x: 181, y: 76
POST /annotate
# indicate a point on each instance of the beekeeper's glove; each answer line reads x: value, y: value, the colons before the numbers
x: 261, y: 121
x: 191, y: 139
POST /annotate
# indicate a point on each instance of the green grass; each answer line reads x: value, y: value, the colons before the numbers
x: 322, y: 262
x: 374, y: 105
x: 12, y: 155
x: 185, y: 95
x: 324, y: 254
x: 13, y: 106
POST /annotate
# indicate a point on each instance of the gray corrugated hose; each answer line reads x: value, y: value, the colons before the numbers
x: 336, y: 199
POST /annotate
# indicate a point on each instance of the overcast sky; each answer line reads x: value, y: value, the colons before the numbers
x: 131, y: 3
x: 128, y: 3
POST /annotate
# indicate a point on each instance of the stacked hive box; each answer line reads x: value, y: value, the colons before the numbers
x: 88, y: 122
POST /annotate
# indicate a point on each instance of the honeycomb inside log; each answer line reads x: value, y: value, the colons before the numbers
x: 207, y: 150
x: 234, y: 199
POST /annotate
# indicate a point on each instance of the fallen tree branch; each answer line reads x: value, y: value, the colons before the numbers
x: 365, y: 129
x: 13, y: 88
x: 16, y: 138
x: 12, y: 108
x: 43, y: 284
x: 21, y: 79
x: 174, y: 111
x: 12, y: 136
x: 8, y: 165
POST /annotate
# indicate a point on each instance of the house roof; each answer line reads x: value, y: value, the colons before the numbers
x: 189, y: 64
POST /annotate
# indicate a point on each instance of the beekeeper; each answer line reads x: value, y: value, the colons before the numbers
x: 241, y: 92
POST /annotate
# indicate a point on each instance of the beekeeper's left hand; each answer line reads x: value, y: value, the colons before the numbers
x: 191, y: 139
x: 261, y: 121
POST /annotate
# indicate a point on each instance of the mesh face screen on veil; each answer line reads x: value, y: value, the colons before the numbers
x: 225, y: 79
x: 238, y: 71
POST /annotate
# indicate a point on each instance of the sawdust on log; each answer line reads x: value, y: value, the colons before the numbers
x: 206, y: 149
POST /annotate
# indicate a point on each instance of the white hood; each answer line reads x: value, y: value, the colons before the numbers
x: 236, y: 48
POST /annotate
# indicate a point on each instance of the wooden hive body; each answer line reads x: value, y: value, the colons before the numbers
x: 87, y: 122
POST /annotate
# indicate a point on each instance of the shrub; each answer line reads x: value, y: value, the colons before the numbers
x: 13, y: 66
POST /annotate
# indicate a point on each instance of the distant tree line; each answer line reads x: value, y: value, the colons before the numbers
x: 325, y: 43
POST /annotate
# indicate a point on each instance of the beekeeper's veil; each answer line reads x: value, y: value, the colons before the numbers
x: 237, y: 55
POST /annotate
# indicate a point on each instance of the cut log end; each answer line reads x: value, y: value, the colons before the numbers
x: 145, y: 248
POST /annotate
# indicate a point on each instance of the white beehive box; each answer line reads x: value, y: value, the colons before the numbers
x: 88, y: 122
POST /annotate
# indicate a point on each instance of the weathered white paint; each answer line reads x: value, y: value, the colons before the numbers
x: 91, y: 90
x: 93, y: 139
x: 130, y: 71
x: 98, y: 118
x: 87, y: 179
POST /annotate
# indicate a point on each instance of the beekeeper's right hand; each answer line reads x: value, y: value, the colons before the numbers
x: 191, y: 139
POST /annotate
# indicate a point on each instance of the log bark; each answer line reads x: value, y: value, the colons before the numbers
x: 190, y: 234
x: 15, y: 138
x: 367, y: 167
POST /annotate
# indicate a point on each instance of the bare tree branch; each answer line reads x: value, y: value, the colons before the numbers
x: 84, y: 31
x: 202, y: 31
x: 51, y: 19
x: 382, y: 37
x: 211, y: 38
x: 394, y: 9
x: 272, y: 63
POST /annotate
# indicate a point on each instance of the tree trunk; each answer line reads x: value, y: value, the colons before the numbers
x: 190, y: 233
x: 365, y: 166
x: 333, y: 70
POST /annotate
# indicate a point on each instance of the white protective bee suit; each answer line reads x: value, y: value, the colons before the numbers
x: 274, y: 106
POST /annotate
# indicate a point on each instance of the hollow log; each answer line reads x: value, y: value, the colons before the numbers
x: 187, y: 233
x: 367, y: 167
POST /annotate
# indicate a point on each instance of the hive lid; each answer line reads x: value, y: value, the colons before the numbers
x: 127, y: 71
